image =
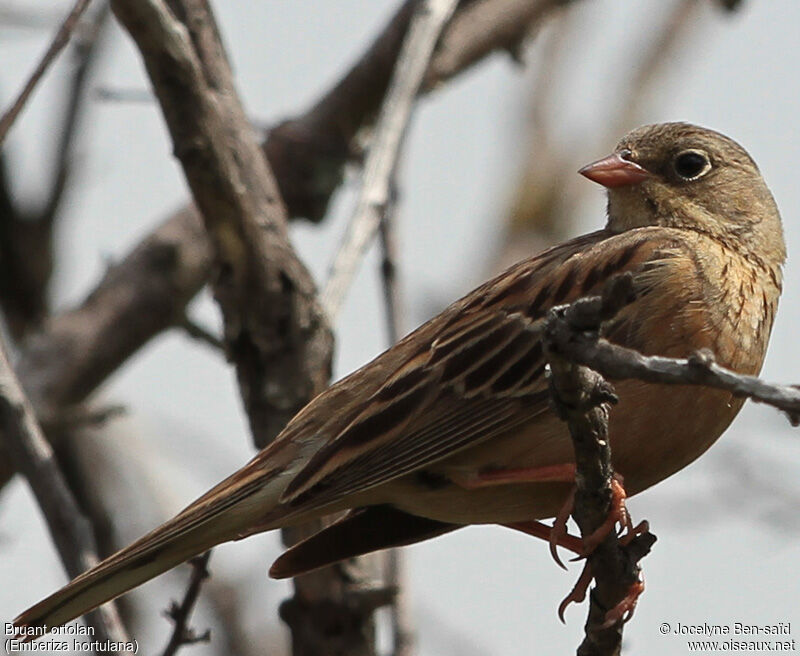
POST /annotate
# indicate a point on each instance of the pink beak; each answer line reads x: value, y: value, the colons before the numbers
x: 614, y: 171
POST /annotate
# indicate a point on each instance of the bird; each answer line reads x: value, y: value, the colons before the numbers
x: 452, y: 425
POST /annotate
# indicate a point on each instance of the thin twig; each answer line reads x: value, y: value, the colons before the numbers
x: 586, y: 347
x: 393, y: 574
x: 391, y: 293
x: 56, y: 46
x: 182, y: 633
x: 86, y: 53
x: 484, y: 26
x: 34, y: 458
x: 201, y: 334
x: 412, y: 63
x: 26, y: 235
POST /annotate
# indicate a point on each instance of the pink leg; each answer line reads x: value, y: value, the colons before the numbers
x: 558, y: 535
x: 563, y: 473
x: 550, y: 474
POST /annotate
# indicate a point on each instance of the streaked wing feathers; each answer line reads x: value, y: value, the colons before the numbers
x: 472, y: 373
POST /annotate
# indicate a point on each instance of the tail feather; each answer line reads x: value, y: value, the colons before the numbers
x: 142, y: 561
x: 218, y: 516
x: 359, y: 532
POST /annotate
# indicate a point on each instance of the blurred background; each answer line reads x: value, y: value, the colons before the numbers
x: 487, y: 177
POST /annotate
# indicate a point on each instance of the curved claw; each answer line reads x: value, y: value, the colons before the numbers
x: 559, y: 530
x: 578, y: 592
x: 539, y: 530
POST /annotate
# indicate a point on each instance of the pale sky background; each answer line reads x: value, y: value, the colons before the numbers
x: 728, y: 525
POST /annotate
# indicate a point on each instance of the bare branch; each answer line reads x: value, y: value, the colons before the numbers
x: 33, y: 457
x: 412, y: 63
x: 393, y: 575
x: 582, y: 398
x: 482, y: 27
x: 274, y: 330
x: 182, y: 633
x: 86, y: 53
x: 56, y: 46
x: 308, y: 152
x: 147, y: 292
x: 26, y: 237
x: 201, y: 334
x: 584, y: 346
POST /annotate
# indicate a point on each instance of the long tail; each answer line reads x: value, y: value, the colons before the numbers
x: 218, y: 516
x: 359, y: 532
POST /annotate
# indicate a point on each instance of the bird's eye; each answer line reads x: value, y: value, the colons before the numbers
x: 691, y: 164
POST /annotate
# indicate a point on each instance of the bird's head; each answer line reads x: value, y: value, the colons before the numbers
x: 684, y: 176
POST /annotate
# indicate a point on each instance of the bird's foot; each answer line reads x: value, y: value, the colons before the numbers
x: 617, y: 513
x: 624, y: 610
x: 545, y: 532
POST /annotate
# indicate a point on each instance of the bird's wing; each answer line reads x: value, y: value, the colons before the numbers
x: 473, y: 373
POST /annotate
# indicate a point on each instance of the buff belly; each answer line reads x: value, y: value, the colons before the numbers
x: 652, y: 447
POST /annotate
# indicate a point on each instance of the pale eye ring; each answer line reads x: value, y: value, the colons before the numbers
x: 691, y: 164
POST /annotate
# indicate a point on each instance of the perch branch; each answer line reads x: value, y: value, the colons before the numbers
x: 582, y: 398
x: 583, y: 345
x: 578, y: 358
